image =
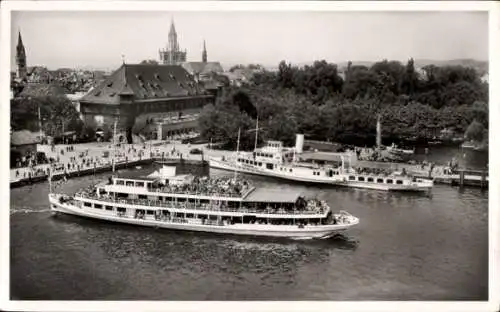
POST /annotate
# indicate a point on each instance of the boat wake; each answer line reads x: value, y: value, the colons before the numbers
x: 27, y: 210
x: 302, y: 238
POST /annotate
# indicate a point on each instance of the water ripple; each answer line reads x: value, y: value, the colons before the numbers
x: 407, y: 246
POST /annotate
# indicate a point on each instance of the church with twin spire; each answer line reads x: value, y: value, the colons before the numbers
x: 174, y: 55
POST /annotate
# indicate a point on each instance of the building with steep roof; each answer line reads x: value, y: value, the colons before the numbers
x: 172, y: 55
x: 153, y: 100
x: 203, y: 68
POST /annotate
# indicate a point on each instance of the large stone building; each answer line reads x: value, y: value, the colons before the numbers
x: 155, y: 101
x: 172, y: 55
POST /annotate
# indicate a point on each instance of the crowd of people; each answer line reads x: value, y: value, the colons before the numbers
x: 226, y: 187
x: 67, y: 159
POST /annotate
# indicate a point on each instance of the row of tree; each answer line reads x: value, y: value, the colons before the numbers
x: 57, y: 115
x: 317, y: 101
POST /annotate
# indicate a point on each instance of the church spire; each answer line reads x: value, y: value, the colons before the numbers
x: 173, y: 54
x: 172, y: 28
x: 172, y: 38
x: 20, y: 57
x: 19, y: 39
x: 204, y: 53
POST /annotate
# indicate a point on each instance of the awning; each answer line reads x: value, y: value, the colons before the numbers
x: 264, y: 195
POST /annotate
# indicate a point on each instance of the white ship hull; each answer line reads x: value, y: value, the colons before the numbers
x: 340, y: 180
x: 288, y: 231
x: 225, y: 165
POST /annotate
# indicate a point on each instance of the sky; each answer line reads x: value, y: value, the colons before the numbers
x: 99, y: 39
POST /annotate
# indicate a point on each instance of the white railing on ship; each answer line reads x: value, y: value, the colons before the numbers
x: 212, y: 194
x: 203, y: 207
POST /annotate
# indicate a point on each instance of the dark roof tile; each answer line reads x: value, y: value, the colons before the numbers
x: 143, y: 81
x: 202, y: 68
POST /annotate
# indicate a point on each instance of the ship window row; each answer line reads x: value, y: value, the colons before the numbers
x: 131, y: 183
x: 165, y: 198
x: 316, y: 173
x: 379, y: 180
x: 261, y: 154
x: 250, y: 162
x: 106, y: 207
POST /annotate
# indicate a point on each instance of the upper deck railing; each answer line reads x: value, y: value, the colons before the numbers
x: 309, y: 210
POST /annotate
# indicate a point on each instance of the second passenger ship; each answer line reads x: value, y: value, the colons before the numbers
x: 274, y: 160
x: 231, y: 206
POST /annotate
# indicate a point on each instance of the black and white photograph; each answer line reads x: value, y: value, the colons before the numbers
x: 223, y: 152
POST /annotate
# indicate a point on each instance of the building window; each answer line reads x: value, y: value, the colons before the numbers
x: 120, y: 182
x: 352, y: 178
x: 380, y: 180
x: 97, y: 206
x: 370, y: 179
x: 110, y: 208
x: 399, y: 182
x: 150, y: 212
x: 389, y: 181
x: 361, y: 179
x: 87, y: 204
x: 139, y: 184
x: 129, y: 183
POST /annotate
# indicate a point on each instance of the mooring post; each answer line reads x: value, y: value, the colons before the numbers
x: 462, y: 177
x: 483, y: 179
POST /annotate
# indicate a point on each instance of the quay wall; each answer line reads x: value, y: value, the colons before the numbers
x: 463, y: 178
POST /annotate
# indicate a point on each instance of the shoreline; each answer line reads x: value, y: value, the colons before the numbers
x: 474, y: 178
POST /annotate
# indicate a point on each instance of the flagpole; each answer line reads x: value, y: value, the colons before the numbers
x: 237, y: 152
x: 50, y: 181
x: 256, y: 132
x: 114, y: 145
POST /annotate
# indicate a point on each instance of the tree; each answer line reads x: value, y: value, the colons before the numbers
x: 57, y: 113
x: 315, y: 100
x: 409, y: 83
x: 475, y: 131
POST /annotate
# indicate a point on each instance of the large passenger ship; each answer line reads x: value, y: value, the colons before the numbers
x: 274, y: 160
x: 221, y: 205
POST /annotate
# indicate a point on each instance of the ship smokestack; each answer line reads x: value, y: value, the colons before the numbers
x: 299, y: 143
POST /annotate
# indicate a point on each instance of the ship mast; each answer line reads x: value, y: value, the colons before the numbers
x: 256, y: 132
x: 39, y: 121
x: 237, y: 152
x: 114, y: 144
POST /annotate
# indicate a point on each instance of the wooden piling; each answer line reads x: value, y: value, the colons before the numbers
x: 483, y: 179
x: 462, y: 178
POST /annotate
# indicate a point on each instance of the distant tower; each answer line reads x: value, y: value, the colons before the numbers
x: 204, y: 53
x: 172, y: 55
x: 21, y: 58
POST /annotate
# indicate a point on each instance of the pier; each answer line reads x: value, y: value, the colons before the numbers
x: 462, y: 177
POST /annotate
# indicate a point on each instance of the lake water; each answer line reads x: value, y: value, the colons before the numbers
x: 407, y: 247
